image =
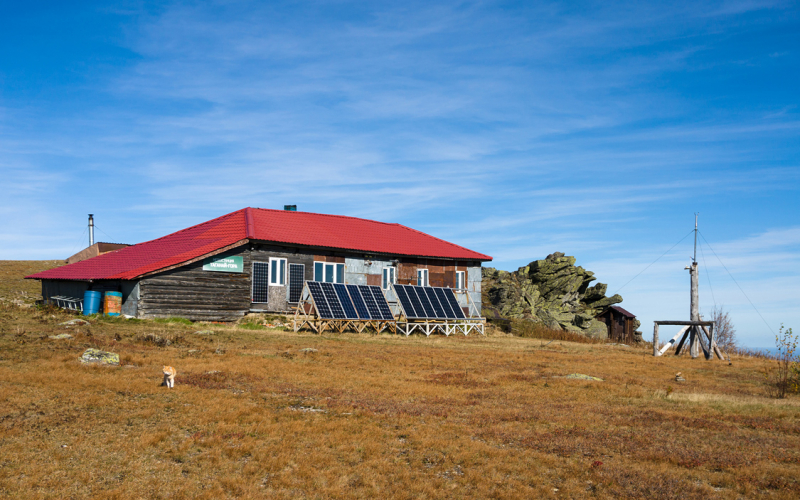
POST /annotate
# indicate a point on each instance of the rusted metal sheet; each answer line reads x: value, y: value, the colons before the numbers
x: 329, y: 258
x: 406, y: 271
x: 374, y: 279
x: 435, y: 268
x: 435, y: 279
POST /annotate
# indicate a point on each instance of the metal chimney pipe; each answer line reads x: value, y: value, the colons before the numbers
x: 91, y: 229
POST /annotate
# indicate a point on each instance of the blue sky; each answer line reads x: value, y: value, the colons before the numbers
x: 515, y: 129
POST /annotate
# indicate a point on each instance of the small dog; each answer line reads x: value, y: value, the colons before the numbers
x: 169, y: 376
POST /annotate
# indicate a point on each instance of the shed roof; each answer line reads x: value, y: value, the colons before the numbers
x: 622, y: 311
x: 248, y: 224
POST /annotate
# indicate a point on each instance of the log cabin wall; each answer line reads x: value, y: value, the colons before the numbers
x: 192, y: 293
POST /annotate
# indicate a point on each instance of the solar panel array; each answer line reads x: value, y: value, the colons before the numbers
x: 349, y: 302
x: 428, y: 302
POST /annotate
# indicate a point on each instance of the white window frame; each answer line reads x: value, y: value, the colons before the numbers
x: 461, y: 280
x: 325, y: 268
x: 392, y: 272
x: 422, y: 273
x: 281, y: 277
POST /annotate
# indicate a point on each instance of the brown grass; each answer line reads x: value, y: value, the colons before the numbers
x: 14, y: 286
x: 376, y: 416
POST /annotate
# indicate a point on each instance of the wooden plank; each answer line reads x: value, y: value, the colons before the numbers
x: 149, y: 306
x: 196, y: 283
x: 201, y: 296
x: 681, y: 323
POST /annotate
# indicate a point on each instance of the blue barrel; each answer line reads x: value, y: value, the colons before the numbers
x: 91, y: 302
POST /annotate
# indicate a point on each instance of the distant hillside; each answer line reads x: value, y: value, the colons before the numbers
x: 13, y: 286
x: 552, y: 291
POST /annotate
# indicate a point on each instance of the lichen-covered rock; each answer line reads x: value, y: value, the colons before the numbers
x: 581, y: 376
x: 553, y: 291
x: 92, y: 355
x: 74, y: 322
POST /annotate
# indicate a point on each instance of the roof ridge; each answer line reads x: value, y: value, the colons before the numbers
x: 328, y: 215
x: 250, y: 224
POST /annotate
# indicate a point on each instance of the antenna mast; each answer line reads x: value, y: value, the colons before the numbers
x: 694, y: 258
x: 697, y: 335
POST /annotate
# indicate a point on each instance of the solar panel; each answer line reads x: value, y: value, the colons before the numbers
x: 260, y: 282
x: 442, y: 295
x: 323, y: 309
x: 405, y: 302
x: 412, y: 296
x: 423, y: 299
x: 347, y: 304
x: 451, y: 298
x: 296, y: 276
x: 369, y: 299
x: 427, y: 302
x: 358, y: 301
x: 437, y: 307
x: 383, y: 306
x: 333, y: 301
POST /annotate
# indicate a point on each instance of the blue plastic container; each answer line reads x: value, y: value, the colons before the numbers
x: 91, y: 302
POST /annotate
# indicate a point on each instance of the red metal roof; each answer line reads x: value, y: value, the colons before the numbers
x: 281, y: 226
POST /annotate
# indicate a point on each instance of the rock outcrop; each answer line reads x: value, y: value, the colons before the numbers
x: 553, y: 291
x: 97, y: 356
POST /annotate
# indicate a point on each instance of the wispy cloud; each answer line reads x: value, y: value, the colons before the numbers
x: 515, y: 129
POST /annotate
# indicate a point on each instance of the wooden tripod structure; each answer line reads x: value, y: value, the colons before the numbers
x: 700, y: 334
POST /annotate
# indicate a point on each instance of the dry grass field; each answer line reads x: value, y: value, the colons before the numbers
x: 254, y: 415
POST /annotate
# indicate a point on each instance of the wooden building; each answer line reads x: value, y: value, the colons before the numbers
x: 620, y: 324
x: 94, y: 251
x: 256, y: 260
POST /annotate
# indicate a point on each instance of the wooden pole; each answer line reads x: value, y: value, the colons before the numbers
x: 694, y: 312
x: 655, y: 340
x: 680, y: 344
x: 715, y: 347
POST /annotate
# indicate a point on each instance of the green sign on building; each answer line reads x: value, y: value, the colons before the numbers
x: 224, y: 264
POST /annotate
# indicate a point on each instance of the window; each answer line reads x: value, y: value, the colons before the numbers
x: 277, y: 271
x: 422, y: 277
x: 460, y: 283
x: 388, y: 277
x: 328, y: 272
x: 260, y: 280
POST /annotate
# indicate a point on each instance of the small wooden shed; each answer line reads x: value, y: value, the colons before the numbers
x: 620, y: 324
